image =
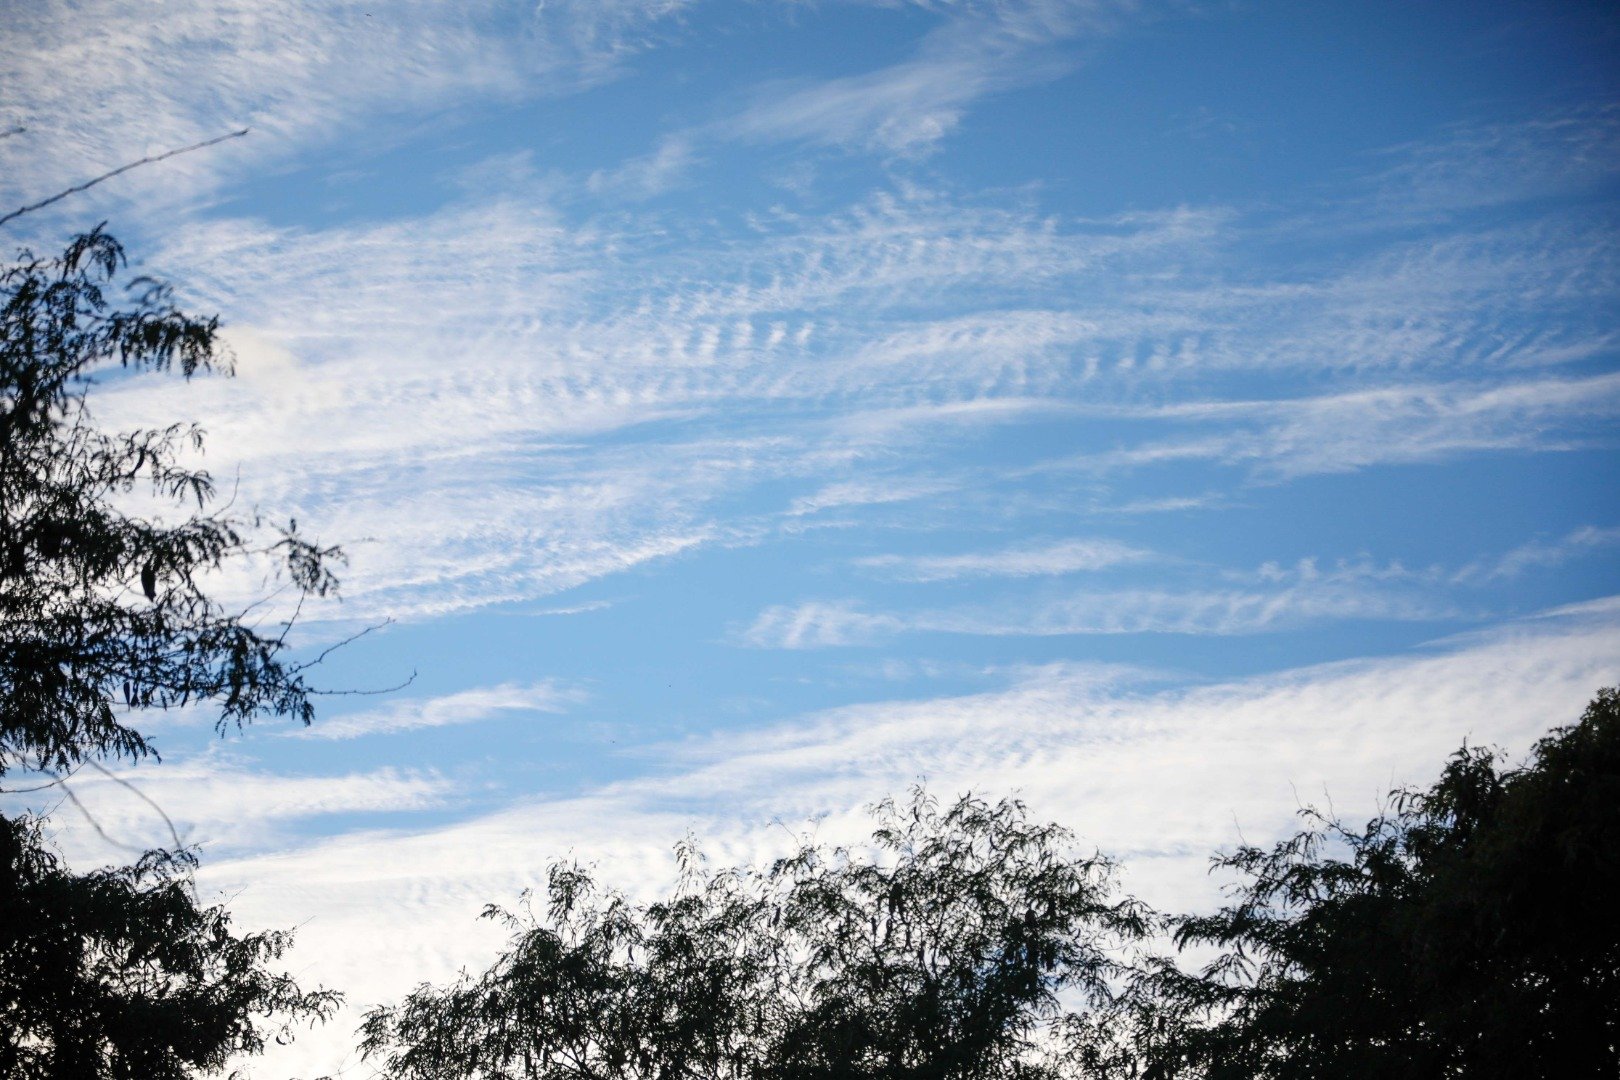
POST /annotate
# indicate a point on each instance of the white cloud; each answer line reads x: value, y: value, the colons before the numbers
x: 867, y: 492
x: 906, y: 108
x: 462, y: 707
x: 1196, y: 611
x: 1540, y: 553
x: 510, y: 402
x: 1284, y: 439
x: 104, y: 83
x: 1027, y: 560
x: 1191, y: 610
x: 644, y: 177
x: 1480, y: 165
x: 222, y: 804
x: 1167, y: 504
x: 817, y: 624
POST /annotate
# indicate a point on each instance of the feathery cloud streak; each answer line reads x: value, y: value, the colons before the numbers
x: 392, y: 356
x: 296, y: 73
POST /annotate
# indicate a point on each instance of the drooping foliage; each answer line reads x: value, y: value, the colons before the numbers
x: 1466, y: 931
x: 121, y: 974
x: 957, y: 945
x: 103, y: 613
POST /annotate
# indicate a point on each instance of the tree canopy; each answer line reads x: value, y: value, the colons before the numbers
x: 104, y: 615
x: 120, y: 973
x: 1465, y: 931
x: 1468, y: 930
x: 957, y: 944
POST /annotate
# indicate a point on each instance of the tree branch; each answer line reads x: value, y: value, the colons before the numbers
x: 121, y: 169
x: 174, y: 834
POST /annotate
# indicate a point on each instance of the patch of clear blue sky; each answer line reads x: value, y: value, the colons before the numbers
x: 1273, y: 112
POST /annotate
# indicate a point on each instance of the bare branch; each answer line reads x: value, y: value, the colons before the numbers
x: 96, y: 825
x: 365, y: 693
x: 121, y: 169
x: 174, y: 833
x: 330, y: 649
x: 38, y: 787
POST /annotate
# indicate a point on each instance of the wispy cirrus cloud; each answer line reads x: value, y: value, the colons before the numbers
x: 649, y: 175
x: 1024, y: 560
x: 1191, y: 599
x: 514, y: 400
x: 1278, y: 440
x: 818, y: 624
x: 906, y: 108
x: 1471, y: 166
x: 223, y: 803
x: 1194, y: 609
x: 296, y: 73
x: 874, y: 492
x: 1584, y: 541
x: 462, y: 707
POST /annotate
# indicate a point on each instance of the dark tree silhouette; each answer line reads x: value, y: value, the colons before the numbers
x: 1469, y: 930
x: 120, y: 973
x: 957, y: 946
x: 100, y: 609
x: 1466, y: 931
x: 104, y: 615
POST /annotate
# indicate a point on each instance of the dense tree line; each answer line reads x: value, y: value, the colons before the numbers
x: 953, y: 947
x: 1466, y: 930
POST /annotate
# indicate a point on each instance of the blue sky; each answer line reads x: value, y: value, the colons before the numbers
x: 742, y: 410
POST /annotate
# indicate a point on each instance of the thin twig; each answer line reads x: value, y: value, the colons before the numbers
x: 174, y: 833
x: 351, y: 639
x: 155, y: 158
x: 365, y: 693
x: 259, y: 603
x: 236, y: 487
x: 12, y: 131
x: 96, y: 825
x: 40, y: 787
x: 286, y: 628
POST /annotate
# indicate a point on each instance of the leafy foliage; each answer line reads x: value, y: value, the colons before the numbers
x: 955, y: 947
x: 1468, y: 930
x: 99, y: 608
x: 120, y: 974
